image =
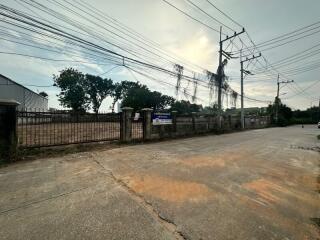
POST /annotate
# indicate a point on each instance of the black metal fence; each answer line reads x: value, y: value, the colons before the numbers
x: 39, y: 128
x: 137, y: 127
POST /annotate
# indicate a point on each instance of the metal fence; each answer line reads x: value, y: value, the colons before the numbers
x: 137, y: 128
x: 39, y: 129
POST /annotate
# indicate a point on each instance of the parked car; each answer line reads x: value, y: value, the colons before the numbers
x: 318, y: 124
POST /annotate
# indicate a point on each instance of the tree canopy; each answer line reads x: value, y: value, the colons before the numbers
x: 83, y: 91
x: 121, y: 90
x: 80, y: 92
x: 72, y: 94
x: 284, y: 113
x: 98, y: 89
x: 185, y: 107
x: 140, y: 96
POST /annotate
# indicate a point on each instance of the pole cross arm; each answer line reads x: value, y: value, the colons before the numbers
x: 253, y: 57
x: 228, y: 55
x: 233, y: 36
x: 285, y: 82
x: 247, y: 72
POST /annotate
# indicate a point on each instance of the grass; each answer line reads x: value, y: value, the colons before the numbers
x: 318, y: 137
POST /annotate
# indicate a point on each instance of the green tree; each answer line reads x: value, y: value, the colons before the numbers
x: 97, y: 89
x: 121, y: 90
x: 213, y: 109
x: 185, y: 107
x: 308, y: 116
x: 159, y: 101
x: 72, y: 95
x: 284, y: 113
x: 141, y: 97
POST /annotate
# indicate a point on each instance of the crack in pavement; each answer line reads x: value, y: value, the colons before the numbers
x: 313, y: 148
x: 166, y: 223
x: 43, y: 200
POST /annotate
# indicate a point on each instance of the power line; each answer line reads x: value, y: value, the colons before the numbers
x: 82, y: 26
x: 133, y: 32
x: 281, y: 37
x: 111, y: 69
x: 30, y: 21
x: 207, y: 14
x: 189, y: 16
x: 94, y: 16
x: 305, y: 89
x: 46, y: 58
x: 226, y: 15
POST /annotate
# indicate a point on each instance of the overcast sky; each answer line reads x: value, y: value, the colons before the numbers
x: 187, y: 39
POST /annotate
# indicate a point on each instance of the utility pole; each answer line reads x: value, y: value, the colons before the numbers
x: 220, y: 71
x: 242, y: 74
x: 319, y: 111
x: 277, y: 97
x: 220, y: 74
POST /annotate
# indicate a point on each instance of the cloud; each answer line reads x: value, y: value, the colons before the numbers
x: 198, y: 49
x: 176, y: 33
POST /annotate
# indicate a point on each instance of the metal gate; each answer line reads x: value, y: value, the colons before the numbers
x: 41, y: 129
x: 137, y: 127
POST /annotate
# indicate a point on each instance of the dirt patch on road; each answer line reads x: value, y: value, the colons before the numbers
x: 203, y: 161
x: 215, y: 160
x: 169, y: 189
x: 266, y: 190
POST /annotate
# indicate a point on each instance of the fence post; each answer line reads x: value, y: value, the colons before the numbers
x: 193, y: 114
x: 126, y: 124
x: 8, y: 130
x: 174, y: 121
x: 147, y: 126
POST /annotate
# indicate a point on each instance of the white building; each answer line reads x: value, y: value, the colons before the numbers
x: 29, y: 100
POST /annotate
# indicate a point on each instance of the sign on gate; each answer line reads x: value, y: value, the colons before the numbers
x: 136, y: 116
x: 161, y: 118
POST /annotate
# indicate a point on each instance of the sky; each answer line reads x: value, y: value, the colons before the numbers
x: 181, y: 38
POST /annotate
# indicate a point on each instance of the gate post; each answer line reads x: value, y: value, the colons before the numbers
x: 8, y: 130
x: 126, y: 125
x: 194, y: 114
x: 147, y: 127
x: 174, y: 121
x: 229, y: 122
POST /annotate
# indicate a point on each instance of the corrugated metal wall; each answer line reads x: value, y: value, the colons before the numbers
x: 27, y: 98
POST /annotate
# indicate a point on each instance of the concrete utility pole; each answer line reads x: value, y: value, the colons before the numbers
x: 319, y: 111
x: 221, y: 66
x: 277, y: 97
x: 242, y: 93
x: 220, y: 72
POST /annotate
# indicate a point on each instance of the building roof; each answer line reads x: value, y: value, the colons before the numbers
x: 2, y: 76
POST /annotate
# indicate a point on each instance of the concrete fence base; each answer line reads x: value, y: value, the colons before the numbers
x: 8, y: 132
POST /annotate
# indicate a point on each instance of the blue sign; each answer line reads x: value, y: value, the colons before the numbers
x: 161, y: 118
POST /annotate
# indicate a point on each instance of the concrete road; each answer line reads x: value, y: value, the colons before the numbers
x: 261, y: 184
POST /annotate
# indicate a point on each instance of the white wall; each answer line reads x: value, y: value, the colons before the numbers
x: 27, y: 98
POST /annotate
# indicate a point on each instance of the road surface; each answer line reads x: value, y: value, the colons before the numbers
x: 260, y: 184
